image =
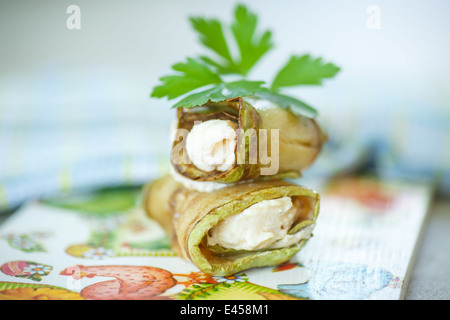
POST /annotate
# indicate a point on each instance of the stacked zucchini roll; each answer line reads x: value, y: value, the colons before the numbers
x: 220, y: 208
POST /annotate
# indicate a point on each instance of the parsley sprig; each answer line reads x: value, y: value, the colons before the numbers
x: 202, y: 79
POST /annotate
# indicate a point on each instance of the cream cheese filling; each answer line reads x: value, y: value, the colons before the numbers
x: 210, y: 145
x: 201, y: 186
x: 262, y: 225
x: 260, y: 104
x: 214, y: 128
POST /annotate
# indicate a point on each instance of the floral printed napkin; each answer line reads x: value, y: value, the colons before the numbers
x: 101, y: 245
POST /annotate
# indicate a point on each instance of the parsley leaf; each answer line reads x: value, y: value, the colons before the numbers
x: 221, y: 68
x: 213, y: 94
x: 220, y: 92
x: 205, y: 72
x: 243, y: 88
x: 251, y: 47
x: 212, y: 36
x: 193, y: 75
x: 303, y: 70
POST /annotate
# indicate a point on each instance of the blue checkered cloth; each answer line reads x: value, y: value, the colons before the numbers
x: 66, y: 134
x: 60, y: 133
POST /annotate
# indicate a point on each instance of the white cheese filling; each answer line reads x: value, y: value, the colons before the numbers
x: 210, y: 145
x: 201, y: 186
x: 262, y: 225
x: 260, y: 104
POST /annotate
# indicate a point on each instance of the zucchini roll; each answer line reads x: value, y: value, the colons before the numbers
x: 241, y: 226
x: 236, y: 140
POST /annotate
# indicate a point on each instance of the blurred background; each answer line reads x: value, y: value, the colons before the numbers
x: 76, y: 112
